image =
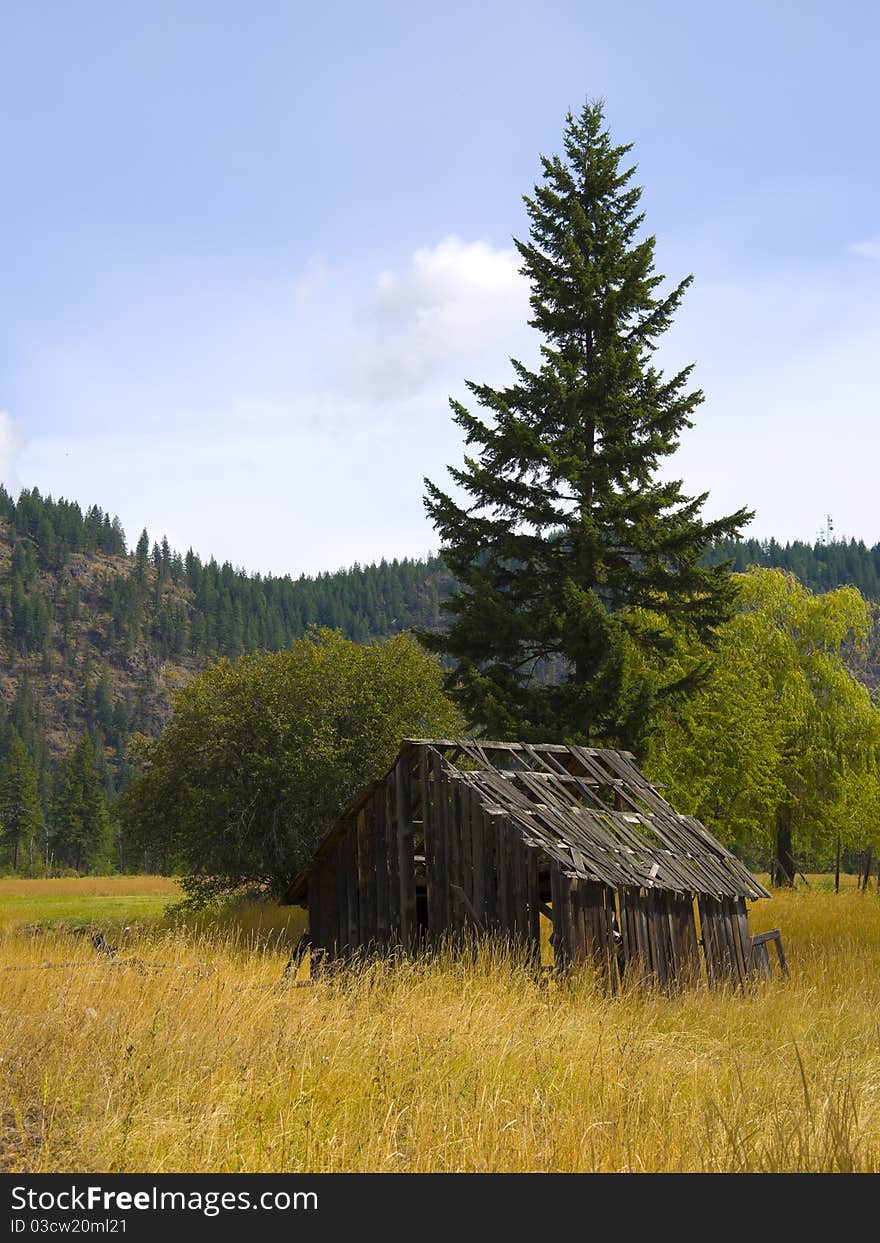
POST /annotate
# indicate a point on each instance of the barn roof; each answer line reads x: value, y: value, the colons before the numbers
x: 592, y: 811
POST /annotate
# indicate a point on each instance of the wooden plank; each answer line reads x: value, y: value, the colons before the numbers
x: 430, y: 833
x: 628, y: 946
x: 490, y: 871
x: 405, y: 854
x: 518, y: 887
x: 711, y: 948
x: 733, y: 949
x: 739, y: 926
x: 760, y: 958
x: 614, y: 939
x: 392, y: 864
x: 366, y: 882
x: 638, y: 909
x: 381, y: 831
x: 534, y: 903
x: 690, y: 937
x: 716, y: 945
x: 658, y: 937
x: 760, y: 954
x: 478, y: 861
x: 730, y: 942
x: 502, y: 871
x: 575, y: 927
x: 440, y: 815
x: 329, y: 908
x: 352, y: 888
x: 454, y: 861
x: 466, y: 849
x: 341, y: 877
x: 666, y: 902
x: 688, y: 963
x: 469, y: 907
x: 594, y: 926
x: 780, y: 954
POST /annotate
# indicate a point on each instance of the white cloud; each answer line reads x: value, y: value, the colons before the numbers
x: 457, y: 307
x: 870, y: 247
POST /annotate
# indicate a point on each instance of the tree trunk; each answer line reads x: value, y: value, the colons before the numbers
x: 785, y: 864
x: 15, y: 856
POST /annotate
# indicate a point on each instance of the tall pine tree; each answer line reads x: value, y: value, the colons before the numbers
x: 573, y: 558
x: 21, y: 819
x: 80, y: 820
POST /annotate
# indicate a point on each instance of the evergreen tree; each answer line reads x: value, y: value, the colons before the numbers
x: 21, y: 818
x: 81, y: 824
x: 142, y: 553
x: 567, y: 543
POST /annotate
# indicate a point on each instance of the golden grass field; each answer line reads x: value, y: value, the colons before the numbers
x: 210, y: 1064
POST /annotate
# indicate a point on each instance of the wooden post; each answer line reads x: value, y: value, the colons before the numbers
x: 391, y: 864
x: 490, y: 872
x: 381, y: 832
x: 366, y: 882
x: 343, y: 949
x: 478, y: 849
x: 351, y: 883
x: 502, y: 868
x: 406, y: 860
x: 837, y: 868
x: 429, y: 829
x: 439, y: 823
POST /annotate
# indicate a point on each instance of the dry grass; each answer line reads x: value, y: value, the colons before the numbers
x: 210, y: 1064
x: 88, y: 887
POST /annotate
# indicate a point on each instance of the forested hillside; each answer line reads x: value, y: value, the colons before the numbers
x: 95, y: 637
x: 820, y: 566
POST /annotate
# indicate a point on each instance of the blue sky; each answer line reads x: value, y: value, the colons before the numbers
x: 247, y: 251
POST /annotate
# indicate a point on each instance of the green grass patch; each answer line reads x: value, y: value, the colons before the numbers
x: 112, y: 901
x: 66, y: 910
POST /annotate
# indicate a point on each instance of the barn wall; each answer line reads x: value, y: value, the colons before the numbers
x: 361, y: 892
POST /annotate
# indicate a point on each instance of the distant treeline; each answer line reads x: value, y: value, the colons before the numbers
x: 821, y: 566
x: 182, y: 606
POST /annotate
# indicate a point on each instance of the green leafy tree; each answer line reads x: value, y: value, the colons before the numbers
x: 779, y: 752
x: 262, y: 754
x: 82, y: 836
x: 564, y: 528
x: 21, y: 818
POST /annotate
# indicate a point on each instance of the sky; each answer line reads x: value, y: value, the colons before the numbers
x: 249, y: 251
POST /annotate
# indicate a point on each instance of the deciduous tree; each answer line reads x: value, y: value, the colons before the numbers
x: 779, y: 751
x: 262, y: 754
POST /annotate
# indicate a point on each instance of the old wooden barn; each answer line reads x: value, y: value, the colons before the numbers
x: 487, y: 838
